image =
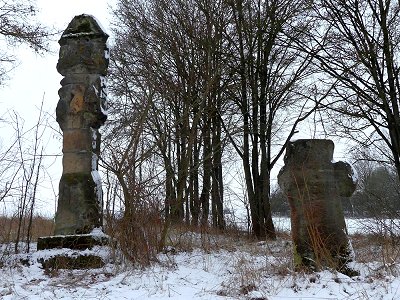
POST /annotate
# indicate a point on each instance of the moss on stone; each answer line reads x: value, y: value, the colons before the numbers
x: 297, y: 259
x: 84, y: 180
x: 78, y: 210
x: 74, y: 178
x: 84, y: 25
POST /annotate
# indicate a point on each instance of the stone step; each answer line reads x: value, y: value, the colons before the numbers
x: 77, y: 241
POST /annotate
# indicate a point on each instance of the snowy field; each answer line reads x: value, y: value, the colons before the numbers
x: 210, y: 267
x: 354, y: 226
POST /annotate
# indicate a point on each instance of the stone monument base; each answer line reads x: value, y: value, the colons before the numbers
x: 76, y: 241
x: 72, y: 262
x: 79, y: 259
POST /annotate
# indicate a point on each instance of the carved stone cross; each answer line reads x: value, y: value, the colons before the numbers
x: 314, y: 186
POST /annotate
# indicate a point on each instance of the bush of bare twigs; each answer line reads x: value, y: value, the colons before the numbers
x: 137, y: 233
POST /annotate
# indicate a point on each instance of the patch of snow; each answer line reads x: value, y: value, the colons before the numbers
x: 98, y: 190
x: 96, y: 90
x: 103, y: 95
x: 354, y: 175
x: 107, y: 53
x: 246, y: 270
x: 353, y: 225
x: 94, y: 144
x: 97, y: 231
x: 95, y: 174
x: 95, y: 159
x: 352, y: 254
x: 73, y: 35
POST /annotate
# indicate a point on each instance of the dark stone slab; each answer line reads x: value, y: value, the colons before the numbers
x: 77, y: 242
x: 72, y: 262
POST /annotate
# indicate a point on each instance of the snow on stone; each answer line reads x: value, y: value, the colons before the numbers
x: 95, y: 90
x: 98, y: 231
x: 95, y: 174
x: 354, y: 175
x: 103, y: 29
x: 97, y: 180
x: 103, y: 95
x: 73, y: 35
x: 107, y: 53
x: 98, y: 23
x: 94, y: 144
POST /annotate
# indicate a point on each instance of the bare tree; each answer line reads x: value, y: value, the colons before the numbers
x: 133, y: 206
x: 171, y: 48
x: 269, y: 90
x: 22, y: 170
x: 18, y: 26
x: 212, y: 64
x: 31, y: 166
x: 377, y: 193
x: 359, y: 57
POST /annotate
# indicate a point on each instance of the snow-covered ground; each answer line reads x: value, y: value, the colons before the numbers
x: 220, y: 267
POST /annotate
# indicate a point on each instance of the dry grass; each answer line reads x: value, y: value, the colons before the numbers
x: 41, y: 226
x: 383, y: 250
x: 186, y: 238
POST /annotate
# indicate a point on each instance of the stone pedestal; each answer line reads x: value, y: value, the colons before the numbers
x: 81, y: 110
x: 75, y: 241
x: 314, y: 186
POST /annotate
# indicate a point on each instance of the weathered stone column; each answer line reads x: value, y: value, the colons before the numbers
x: 83, y: 61
x: 314, y: 186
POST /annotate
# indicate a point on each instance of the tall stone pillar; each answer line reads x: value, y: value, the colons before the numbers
x: 314, y: 186
x: 83, y: 61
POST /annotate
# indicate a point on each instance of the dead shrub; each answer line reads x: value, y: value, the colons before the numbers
x: 381, y: 241
x: 137, y: 233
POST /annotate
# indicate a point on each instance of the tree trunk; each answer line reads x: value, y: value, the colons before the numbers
x: 194, y: 185
x: 217, y: 178
x: 207, y: 173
